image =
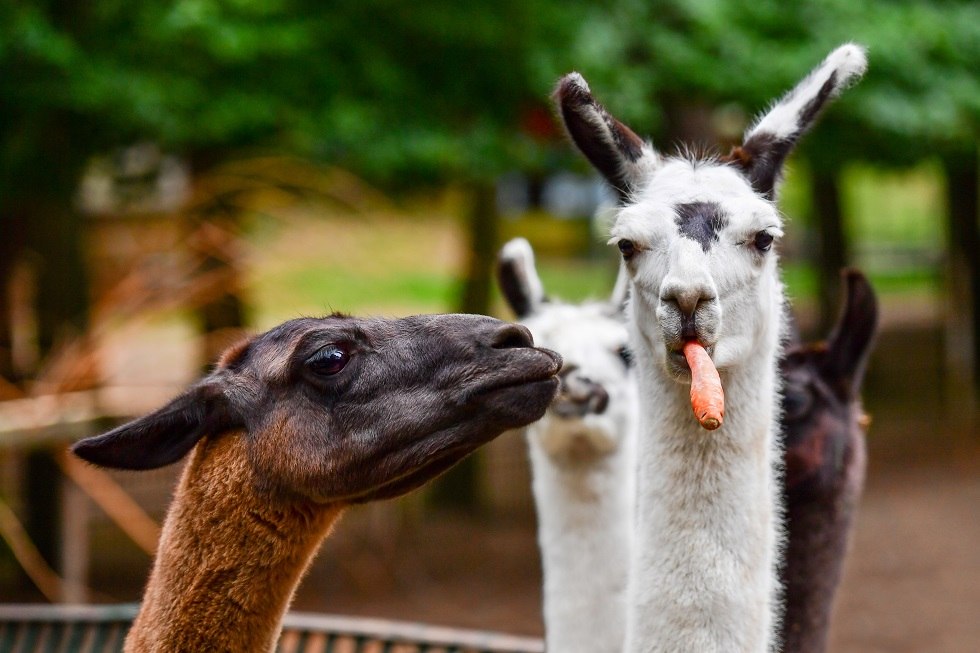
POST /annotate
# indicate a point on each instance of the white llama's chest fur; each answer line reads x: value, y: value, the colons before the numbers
x: 707, y: 536
x: 583, y: 484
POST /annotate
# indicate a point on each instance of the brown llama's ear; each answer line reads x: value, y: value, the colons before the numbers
x: 518, y: 277
x: 611, y: 147
x: 850, y: 343
x: 774, y: 135
x: 165, y: 435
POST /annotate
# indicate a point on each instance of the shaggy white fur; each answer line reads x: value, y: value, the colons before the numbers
x: 697, y: 238
x: 583, y: 461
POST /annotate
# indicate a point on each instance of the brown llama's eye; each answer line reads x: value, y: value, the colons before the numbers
x: 627, y: 248
x: 763, y: 241
x: 328, y: 361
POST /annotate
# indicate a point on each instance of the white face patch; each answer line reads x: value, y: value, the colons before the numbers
x: 702, y: 238
x: 594, y: 343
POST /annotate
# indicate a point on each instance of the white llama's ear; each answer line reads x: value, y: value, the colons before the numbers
x: 518, y: 278
x: 621, y: 290
x: 774, y: 135
x: 621, y: 156
x: 165, y: 435
x: 849, y: 345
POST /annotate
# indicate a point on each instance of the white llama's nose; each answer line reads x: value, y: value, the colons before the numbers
x: 687, y: 283
x: 686, y: 295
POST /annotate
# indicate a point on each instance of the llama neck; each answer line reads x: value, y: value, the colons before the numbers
x: 229, y: 559
x: 819, y: 515
x: 706, y: 539
x: 585, y: 512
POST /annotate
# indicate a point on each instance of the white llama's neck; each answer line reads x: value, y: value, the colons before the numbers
x: 706, y: 547
x: 585, y: 523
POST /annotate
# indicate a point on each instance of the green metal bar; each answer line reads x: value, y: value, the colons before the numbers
x: 8, y: 635
x: 98, y: 639
x: 27, y: 639
x: 54, y: 634
x: 76, y: 634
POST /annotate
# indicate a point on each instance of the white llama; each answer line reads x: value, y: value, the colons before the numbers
x: 697, y: 237
x: 583, y: 457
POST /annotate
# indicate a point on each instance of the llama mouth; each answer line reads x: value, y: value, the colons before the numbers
x: 677, y: 363
x: 542, y: 370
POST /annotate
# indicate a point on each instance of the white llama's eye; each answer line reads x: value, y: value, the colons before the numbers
x: 625, y: 355
x: 627, y: 248
x: 329, y: 360
x: 763, y: 241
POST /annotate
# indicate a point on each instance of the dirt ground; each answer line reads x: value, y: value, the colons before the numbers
x: 912, y: 582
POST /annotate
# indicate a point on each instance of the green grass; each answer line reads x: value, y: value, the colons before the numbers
x: 341, y: 288
x: 408, y: 260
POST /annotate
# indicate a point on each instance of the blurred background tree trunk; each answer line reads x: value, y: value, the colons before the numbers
x: 459, y: 488
x: 43, y: 230
x: 963, y: 319
x: 483, y: 228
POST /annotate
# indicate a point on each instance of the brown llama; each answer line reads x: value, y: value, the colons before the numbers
x: 291, y: 428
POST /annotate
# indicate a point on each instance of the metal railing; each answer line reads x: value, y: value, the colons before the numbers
x: 102, y: 629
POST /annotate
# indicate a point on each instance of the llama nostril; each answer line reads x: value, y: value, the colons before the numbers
x: 689, y: 327
x: 686, y: 298
x: 687, y: 302
x: 511, y: 336
x: 599, y: 401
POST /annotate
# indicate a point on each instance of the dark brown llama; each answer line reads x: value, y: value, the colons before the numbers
x: 824, y: 427
x: 292, y: 427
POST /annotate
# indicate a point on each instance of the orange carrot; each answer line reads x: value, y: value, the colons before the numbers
x: 707, y: 395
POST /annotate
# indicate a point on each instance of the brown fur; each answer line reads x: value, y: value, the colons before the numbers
x: 288, y: 429
x: 229, y: 557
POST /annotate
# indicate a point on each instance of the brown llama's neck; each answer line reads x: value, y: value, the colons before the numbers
x: 229, y: 558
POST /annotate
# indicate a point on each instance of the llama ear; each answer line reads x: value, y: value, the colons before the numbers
x: 773, y: 136
x: 165, y: 435
x: 850, y: 344
x: 621, y: 156
x: 518, y: 278
x: 621, y: 290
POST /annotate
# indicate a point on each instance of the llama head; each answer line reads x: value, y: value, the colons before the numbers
x: 596, y: 399
x: 341, y: 409
x: 697, y: 235
x: 821, y: 388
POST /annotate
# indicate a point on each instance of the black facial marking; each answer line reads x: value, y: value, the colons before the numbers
x: 701, y: 222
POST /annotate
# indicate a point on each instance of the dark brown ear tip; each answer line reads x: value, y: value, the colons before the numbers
x: 850, y: 274
x: 88, y: 450
x: 858, y: 285
x: 573, y: 89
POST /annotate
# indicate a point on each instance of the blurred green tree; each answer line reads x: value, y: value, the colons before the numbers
x: 404, y: 94
x: 409, y: 94
x: 694, y: 71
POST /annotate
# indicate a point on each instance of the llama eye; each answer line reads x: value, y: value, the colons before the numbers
x: 763, y: 241
x: 328, y: 361
x: 627, y: 248
x: 625, y: 355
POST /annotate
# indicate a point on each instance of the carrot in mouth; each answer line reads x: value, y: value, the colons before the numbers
x: 707, y: 395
